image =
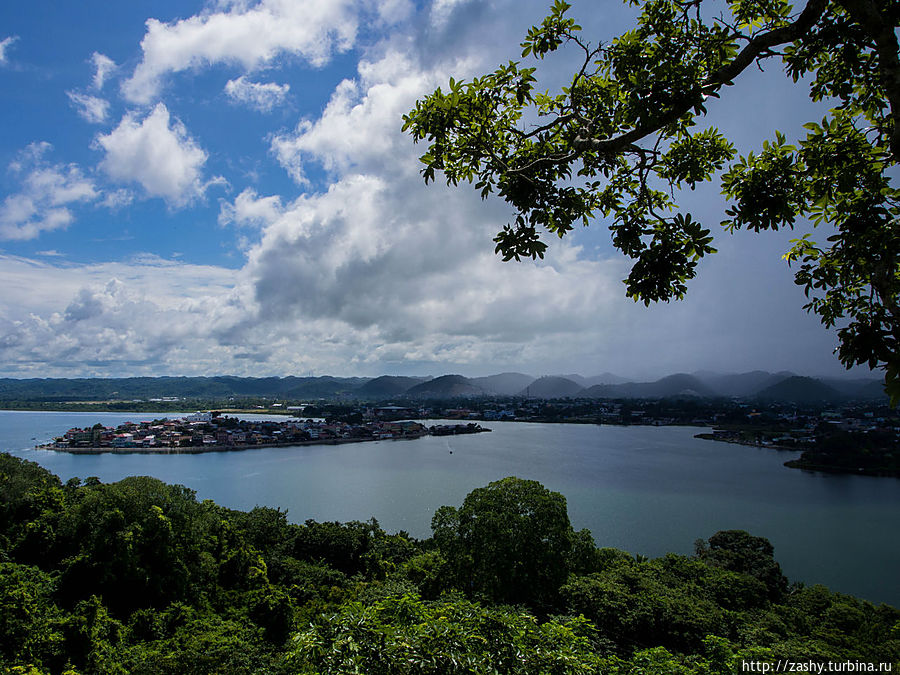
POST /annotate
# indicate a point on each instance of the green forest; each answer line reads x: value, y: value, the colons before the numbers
x: 140, y: 577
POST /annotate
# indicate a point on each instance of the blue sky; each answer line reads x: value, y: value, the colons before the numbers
x: 223, y: 188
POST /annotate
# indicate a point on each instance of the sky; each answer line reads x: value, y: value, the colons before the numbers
x: 192, y: 188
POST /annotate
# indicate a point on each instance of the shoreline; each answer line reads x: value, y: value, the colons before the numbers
x: 806, y: 465
x: 751, y: 444
x: 200, y: 449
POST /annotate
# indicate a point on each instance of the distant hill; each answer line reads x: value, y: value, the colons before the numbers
x: 770, y: 386
x: 580, y: 380
x: 446, y: 386
x: 872, y: 391
x: 129, y: 388
x: 800, y: 390
x: 322, y: 387
x: 386, y: 386
x: 603, y: 378
x: 504, y: 384
x: 741, y: 384
x: 861, y: 388
x: 552, y: 387
x: 667, y: 387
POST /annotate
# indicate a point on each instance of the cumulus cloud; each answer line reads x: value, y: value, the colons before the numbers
x: 142, y: 316
x: 410, y: 277
x: 409, y: 272
x: 258, y: 95
x: 250, y: 209
x: 91, y: 108
x: 158, y: 153
x: 5, y: 44
x: 359, y: 127
x: 47, y: 191
x: 250, y: 35
x: 103, y: 66
x: 151, y: 316
x: 374, y: 273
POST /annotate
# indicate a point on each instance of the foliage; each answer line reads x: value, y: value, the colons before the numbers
x: 187, y: 641
x: 404, y: 634
x: 628, y: 131
x: 738, y: 551
x: 509, y: 542
x: 29, y: 619
x: 139, y: 577
x: 639, y: 605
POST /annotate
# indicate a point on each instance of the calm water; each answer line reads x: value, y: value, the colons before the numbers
x: 642, y: 489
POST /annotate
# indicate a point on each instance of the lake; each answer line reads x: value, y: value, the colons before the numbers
x: 646, y: 490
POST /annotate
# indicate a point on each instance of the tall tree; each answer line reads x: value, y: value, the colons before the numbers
x: 509, y: 541
x: 623, y: 137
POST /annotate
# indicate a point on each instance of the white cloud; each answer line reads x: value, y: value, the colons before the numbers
x: 359, y: 128
x: 376, y: 272
x: 4, y: 45
x: 118, y: 199
x: 441, y: 10
x: 250, y: 35
x: 395, y: 11
x: 158, y: 153
x: 45, y: 195
x: 408, y: 271
x: 250, y: 209
x: 408, y: 274
x: 103, y: 66
x: 91, y: 108
x: 138, y: 316
x: 21, y: 218
x: 258, y: 95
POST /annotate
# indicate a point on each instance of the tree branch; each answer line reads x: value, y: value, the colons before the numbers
x: 867, y: 14
x: 756, y: 47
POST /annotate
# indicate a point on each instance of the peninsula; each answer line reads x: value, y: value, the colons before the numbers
x: 211, y: 432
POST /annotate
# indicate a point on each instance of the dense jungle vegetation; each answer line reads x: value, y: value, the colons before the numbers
x: 140, y: 577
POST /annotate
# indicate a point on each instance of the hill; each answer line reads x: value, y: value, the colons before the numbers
x: 128, y: 388
x: 858, y: 388
x: 603, y: 378
x: 768, y: 386
x: 386, y: 386
x: 800, y: 390
x: 741, y: 384
x: 504, y: 384
x: 673, y: 385
x: 551, y: 387
x: 873, y: 391
x: 446, y: 386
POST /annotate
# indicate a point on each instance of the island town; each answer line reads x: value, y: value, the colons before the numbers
x: 212, y: 432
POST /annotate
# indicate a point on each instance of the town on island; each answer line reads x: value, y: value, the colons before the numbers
x: 213, y: 432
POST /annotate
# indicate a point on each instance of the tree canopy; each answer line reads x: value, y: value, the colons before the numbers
x: 510, y: 541
x: 141, y: 577
x: 627, y: 133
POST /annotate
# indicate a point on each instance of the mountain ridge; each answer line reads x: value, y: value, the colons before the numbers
x: 702, y: 384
